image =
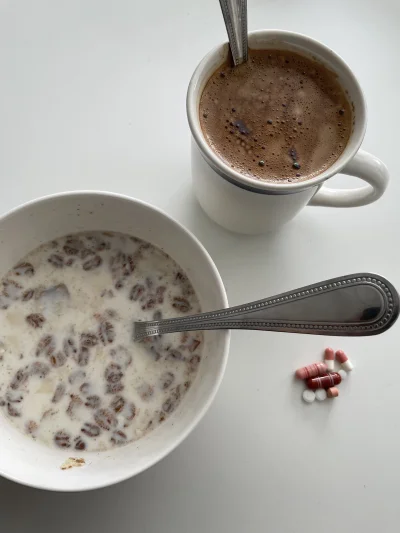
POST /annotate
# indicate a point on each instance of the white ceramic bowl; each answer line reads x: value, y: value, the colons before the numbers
x: 28, y: 226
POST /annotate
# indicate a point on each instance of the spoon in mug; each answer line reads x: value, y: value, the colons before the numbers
x: 235, y: 18
x: 349, y: 306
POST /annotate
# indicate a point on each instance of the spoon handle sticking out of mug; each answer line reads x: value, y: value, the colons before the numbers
x: 235, y: 17
x: 349, y: 306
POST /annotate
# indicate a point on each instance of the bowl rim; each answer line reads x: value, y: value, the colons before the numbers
x: 130, y: 470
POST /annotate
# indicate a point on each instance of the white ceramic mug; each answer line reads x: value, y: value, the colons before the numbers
x: 23, y: 229
x: 246, y: 205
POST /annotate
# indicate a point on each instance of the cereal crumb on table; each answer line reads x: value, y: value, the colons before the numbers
x: 71, y: 462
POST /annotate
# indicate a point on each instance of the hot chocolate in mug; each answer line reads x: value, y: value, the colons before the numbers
x: 248, y: 205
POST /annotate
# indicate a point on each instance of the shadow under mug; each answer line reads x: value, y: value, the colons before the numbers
x: 247, y: 205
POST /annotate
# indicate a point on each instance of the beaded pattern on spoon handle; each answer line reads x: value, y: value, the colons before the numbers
x: 250, y: 316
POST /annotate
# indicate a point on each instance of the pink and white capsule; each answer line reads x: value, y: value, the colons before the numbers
x: 329, y: 356
x: 344, y: 361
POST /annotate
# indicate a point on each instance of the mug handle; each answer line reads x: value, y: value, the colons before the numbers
x: 365, y: 166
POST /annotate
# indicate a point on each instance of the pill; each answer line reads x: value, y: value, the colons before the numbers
x: 308, y: 396
x: 342, y: 373
x: 329, y: 358
x: 324, y: 382
x: 320, y: 394
x: 310, y: 371
x: 344, y: 361
x: 333, y: 392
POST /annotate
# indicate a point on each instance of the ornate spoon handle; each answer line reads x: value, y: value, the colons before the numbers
x: 235, y: 18
x: 353, y: 305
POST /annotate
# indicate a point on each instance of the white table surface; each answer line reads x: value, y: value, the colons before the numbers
x: 93, y: 97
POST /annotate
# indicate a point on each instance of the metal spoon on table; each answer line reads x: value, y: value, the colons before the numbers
x: 348, y: 306
x: 235, y: 17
